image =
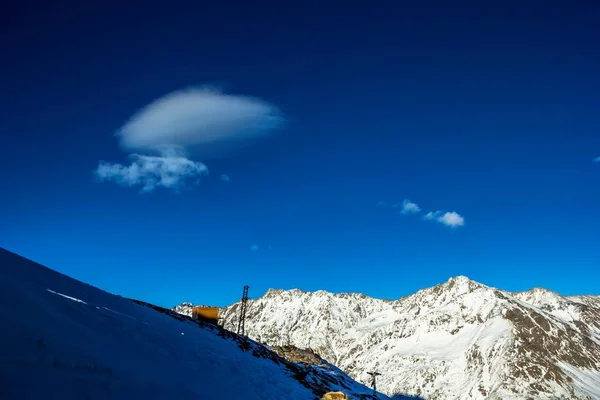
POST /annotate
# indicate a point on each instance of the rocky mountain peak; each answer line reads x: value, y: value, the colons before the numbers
x: 459, y: 295
x: 462, y: 284
x: 454, y: 287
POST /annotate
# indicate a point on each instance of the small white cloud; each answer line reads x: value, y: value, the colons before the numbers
x: 254, y: 247
x: 452, y: 219
x: 408, y: 207
x: 225, y: 178
x: 169, y: 171
x: 597, y: 159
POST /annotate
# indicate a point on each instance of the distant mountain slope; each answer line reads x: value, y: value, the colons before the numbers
x: 459, y: 340
x: 62, y: 338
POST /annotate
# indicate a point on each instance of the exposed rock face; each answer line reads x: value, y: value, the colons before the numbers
x: 297, y: 355
x: 458, y: 340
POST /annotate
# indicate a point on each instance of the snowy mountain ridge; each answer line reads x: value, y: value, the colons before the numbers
x: 459, y: 340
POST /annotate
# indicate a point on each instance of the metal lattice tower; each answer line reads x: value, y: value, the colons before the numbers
x: 374, y: 384
x: 243, y: 308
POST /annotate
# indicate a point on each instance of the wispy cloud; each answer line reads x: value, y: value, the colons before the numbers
x: 431, y: 215
x: 381, y: 203
x: 451, y: 219
x: 597, y: 159
x: 225, y: 178
x: 408, y: 207
x: 149, y: 172
x: 163, y: 134
x: 254, y: 247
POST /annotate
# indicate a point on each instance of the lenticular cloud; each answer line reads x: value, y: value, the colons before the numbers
x: 195, y: 117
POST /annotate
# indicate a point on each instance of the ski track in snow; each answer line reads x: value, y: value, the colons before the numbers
x: 67, y: 297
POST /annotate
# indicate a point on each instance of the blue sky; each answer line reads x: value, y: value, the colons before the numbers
x: 175, y: 154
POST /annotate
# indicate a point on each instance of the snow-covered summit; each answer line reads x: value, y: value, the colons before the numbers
x: 462, y: 280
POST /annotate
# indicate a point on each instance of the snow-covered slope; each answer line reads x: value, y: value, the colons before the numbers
x: 458, y: 340
x: 61, y: 338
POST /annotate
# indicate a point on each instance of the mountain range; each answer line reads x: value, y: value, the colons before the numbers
x: 459, y: 340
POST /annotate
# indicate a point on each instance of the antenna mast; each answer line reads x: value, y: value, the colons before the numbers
x: 374, y: 376
x: 243, y: 308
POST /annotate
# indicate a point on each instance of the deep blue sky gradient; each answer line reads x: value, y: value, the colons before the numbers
x: 492, y: 112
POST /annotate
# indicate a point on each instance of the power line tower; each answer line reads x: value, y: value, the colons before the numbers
x: 374, y: 382
x: 243, y: 308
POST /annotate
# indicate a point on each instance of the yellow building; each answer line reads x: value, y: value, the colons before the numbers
x: 210, y: 314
